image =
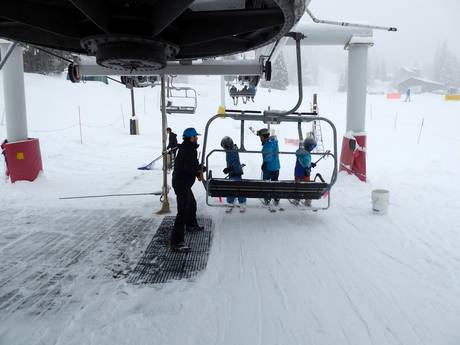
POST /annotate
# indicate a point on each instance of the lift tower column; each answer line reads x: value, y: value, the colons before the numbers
x: 22, y: 154
x: 353, y: 156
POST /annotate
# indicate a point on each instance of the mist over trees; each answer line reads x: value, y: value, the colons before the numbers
x: 446, y: 66
x: 37, y: 61
x: 280, y: 75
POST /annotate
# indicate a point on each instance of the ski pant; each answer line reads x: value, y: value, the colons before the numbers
x: 231, y: 199
x: 268, y: 175
x: 171, y: 158
x: 302, y: 178
x: 305, y: 178
x: 186, y: 214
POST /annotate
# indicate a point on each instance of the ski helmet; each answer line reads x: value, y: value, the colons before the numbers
x: 309, y: 144
x: 190, y: 132
x: 263, y: 132
x: 227, y: 143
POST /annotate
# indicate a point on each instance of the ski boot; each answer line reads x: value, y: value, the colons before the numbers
x: 229, y: 208
x: 180, y: 247
x: 194, y: 228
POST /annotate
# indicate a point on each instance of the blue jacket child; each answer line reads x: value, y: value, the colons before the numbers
x: 270, y: 154
x: 233, y: 169
x: 303, y: 162
x: 302, y: 165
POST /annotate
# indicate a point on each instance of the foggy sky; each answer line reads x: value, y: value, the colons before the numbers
x: 422, y: 25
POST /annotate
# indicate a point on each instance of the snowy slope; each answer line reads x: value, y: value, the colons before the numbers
x: 344, y: 276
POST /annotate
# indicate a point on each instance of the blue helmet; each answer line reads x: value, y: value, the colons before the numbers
x: 190, y: 132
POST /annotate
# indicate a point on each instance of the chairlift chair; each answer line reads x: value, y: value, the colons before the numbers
x: 247, y: 92
x: 260, y: 189
x: 179, y: 94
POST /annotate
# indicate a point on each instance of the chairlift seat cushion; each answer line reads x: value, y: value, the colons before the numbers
x: 180, y: 110
x: 219, y: 187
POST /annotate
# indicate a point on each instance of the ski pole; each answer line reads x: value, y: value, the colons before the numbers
x: 323, y: 156
x: 107, y: 195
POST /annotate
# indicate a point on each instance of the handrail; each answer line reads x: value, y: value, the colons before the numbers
x: 258, y: 152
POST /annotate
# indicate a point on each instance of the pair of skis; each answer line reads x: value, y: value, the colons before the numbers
x: 272, y: 207
x: 231, y: 208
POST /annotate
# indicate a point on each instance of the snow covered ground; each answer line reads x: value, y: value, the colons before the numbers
x: 343, y: 276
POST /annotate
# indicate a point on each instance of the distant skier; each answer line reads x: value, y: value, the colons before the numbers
x: 270, y: 155
x: 172, y: 147
x: 252, y: 92
x: 234, y: 171
x: 408, y: 92
x: 186, y: 170
x: 304, y: 164
x: 233, y: 91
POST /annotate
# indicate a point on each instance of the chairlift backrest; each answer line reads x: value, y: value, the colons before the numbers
x: 181, y: 93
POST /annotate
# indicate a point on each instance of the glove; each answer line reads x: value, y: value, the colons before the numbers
x: 264, y: 166
x: 313, y: 165
x: 199, y: 175
x: 226, y: 170
x: 201, y: 168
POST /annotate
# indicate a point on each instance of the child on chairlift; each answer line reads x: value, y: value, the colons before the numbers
x: 234, y: 171
x: 304, y: 164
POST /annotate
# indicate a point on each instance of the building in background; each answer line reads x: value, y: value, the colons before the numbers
x: 420, y: 85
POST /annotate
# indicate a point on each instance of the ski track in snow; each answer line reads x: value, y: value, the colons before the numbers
x: 342, y: 276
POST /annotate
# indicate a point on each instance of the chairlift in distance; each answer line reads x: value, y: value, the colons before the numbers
x: 246, y: 89
x: 180, y: 100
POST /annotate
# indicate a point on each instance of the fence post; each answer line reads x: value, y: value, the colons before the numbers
x: 420, y: 133
x: 79, y: 122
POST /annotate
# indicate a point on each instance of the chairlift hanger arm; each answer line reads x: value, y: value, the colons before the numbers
x: 297, y: 36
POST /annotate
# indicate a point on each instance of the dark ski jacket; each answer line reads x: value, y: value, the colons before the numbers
x: 172, y: 141
x: 233, y: 162
x: 186, y: 166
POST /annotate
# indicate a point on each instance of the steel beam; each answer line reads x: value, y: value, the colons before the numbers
x: 211, y: 67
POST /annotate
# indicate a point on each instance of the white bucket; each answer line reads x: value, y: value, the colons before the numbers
x: 380, y: 200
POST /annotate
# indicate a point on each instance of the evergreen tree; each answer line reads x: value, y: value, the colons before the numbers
x: 309, y: 72
x: 280, y: 77
x: 37, y: 61
x: 445, y: 66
